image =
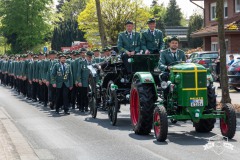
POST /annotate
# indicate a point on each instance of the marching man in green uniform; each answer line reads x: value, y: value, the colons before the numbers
x: 97, y: 57
x: 128, y: 43
x: 171, y: 55
x: 152, y: 39
x: 82, y: 80
x: 49, y: 66
x: 62, y: 80
x: 74, y: 65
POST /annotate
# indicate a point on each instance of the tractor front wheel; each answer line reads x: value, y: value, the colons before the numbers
x: 142, y: 100
x: 228, y: 125
x: 160, y: 122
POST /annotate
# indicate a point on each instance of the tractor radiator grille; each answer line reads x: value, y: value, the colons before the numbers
x: 189, y: 80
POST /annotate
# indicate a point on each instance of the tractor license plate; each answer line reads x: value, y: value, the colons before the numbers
x: 196, y: 102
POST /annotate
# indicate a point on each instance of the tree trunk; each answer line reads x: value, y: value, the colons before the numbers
x: 100, y: 24
x: 221, y: 41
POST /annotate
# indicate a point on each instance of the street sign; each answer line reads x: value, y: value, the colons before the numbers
x: 45, y: 49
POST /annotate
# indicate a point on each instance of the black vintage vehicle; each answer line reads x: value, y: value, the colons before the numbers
x: 113, y: 82
x: 234, y: 75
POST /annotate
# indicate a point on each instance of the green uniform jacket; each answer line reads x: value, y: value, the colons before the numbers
x: 83, y: 73
x: 1, y: 61
x: 17, y: 68
x: 152, y: 42
x: 97, y: 60
x: 57, y: 75
x: 125, y: 43
x: 74, y: 65
x: 49, y: 64
x: 10, y: 67
x: 68, y: 61
x: 30, y: 71
x: 167, y: 58
x: 41, y: 69
x: 24, y: 68
x: 35, y: 70
x: 45, y: 65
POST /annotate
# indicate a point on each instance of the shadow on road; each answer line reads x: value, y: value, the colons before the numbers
x: 189, y: 138
x: 122, y: 123
x: 141, y: 137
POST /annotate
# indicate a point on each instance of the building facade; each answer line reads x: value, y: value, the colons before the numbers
x: 210, y: 30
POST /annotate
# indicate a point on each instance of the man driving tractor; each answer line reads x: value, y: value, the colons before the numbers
x: 171, y: 55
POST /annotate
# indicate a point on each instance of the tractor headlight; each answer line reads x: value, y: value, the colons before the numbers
x: 177, y: 79
x: 164, y: 84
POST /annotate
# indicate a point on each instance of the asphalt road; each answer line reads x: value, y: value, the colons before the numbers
x: 78, y: 136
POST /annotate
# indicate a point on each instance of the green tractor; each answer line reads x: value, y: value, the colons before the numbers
x: 184, y: 93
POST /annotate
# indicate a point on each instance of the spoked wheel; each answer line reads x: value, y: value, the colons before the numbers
x: 112, y: 102
x: 104, y: 101
x: 160, y: 122
x: 92, y: 97
x: 228, y: 125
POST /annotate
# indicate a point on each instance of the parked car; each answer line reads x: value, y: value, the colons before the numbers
x: 207, y: 59
x: 234, y: 75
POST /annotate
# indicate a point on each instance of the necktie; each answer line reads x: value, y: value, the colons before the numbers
x: 152, y: 33
x: 130, y: 35
x: 63, y: 69
x: 174, y: 56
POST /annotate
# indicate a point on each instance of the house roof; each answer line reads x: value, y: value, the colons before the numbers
x: 230, y: 28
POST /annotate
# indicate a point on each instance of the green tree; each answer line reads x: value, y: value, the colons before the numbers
x: 71, y: 8
x: 115, y: 13
x: 66, y: 29
x: 159, y: 13
x: 195, y: 23
x: 25, y: 23
x: 66, y: 33
x: 60, y: 5
x: 173, y: 14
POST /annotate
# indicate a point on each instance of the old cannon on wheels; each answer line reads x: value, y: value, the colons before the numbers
x: 113, y: 88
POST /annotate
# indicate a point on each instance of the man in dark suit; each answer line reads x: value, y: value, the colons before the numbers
x: 171, y: 55
x: 152, y: 39
x: 128, y: 43
x: 62, y: 80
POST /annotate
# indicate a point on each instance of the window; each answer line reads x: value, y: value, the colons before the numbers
x: 213, y: 11
x: 237, y: 6
x: 214, y: 46
x: 225, y: 9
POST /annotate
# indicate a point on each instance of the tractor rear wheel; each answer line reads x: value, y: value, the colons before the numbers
x: 228, y: 126
x: 160, y: 122
x: 206, y: 125
x: 142, y: 100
